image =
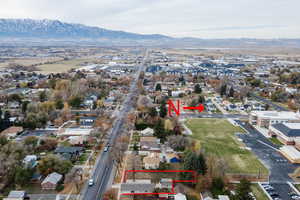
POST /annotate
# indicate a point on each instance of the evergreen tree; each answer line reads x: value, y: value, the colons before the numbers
x: 193, y: 161
x: 163, y: 109
x: 243, y: 190
x: 197, y: 89
x: 201, y: 99
x: 223, y: 89
x: 217, y: 186
x: 43, y: 96
x: 158, y: 87
x: 24, y: 106
x: 59, y: 104
x: 153, y: 112
x: 231, y: 92
x: 159, y: 130
x: 201, y: 167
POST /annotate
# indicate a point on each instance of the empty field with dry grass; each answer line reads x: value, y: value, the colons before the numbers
x: 217, y: 137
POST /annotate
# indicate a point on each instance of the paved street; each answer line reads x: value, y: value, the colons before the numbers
x: 202, y: 115
x: 266, y: 101
x: 104, y: 165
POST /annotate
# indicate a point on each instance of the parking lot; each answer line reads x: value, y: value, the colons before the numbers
x: 267, y: 153
x: 280, y: 191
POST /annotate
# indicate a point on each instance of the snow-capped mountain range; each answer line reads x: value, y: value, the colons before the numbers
x: 57, y: 29
x: 55, y: 32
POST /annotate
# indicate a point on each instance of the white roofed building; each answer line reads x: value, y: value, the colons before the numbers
x: 264, y: 119
x: 291, y: 153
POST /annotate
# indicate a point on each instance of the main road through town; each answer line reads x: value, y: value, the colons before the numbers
x: 103, y: 169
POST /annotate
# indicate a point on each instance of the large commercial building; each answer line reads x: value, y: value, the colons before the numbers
x: 287, y: 133
x: 264, y: 119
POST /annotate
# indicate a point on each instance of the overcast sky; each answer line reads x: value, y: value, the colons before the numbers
x: 179, y: 18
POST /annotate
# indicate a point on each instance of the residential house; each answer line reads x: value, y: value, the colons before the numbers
x: 287, y: 133
x: 264, y: 119
x: 84, y: 132
x: 149, y: 144
x: 16, y: 195
x: 172, y: 158
x: 69, y: 153
x: 30, y: 161
x: 180, y: 196
x: 136, y: 188
x: 12, y: 131
x: 231, y: 107
x: 151, y: 161
x: 147, y: 132
x: 76, y: 140
x: 87, y: 122
x: 177, y: 93
x: 89, y: 101
x: 51, y: 181
x: 223, y: 197
x: 166, y: 183
x: 13, y: 105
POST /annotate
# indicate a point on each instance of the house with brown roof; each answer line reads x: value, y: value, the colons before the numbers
x: 151, y: 161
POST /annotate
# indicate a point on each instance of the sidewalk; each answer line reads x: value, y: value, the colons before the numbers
x: 263, y: 131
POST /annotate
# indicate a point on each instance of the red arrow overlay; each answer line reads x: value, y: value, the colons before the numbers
x: 200, y: 108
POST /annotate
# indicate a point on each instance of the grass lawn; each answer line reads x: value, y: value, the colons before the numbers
x: 297, y: 186
x: 83, y: 158
x: 258, y: 193
x: 275, y: 141
x: 217, y: 137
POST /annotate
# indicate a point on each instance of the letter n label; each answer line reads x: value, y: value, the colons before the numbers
x: 172, y: 107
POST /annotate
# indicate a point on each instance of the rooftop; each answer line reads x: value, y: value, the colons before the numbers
x: 137, y: 187
x: 291, y: 151
x: 17, y: 194
x: 53, y: 178
x: 288, y: 129
x: 277, y: 115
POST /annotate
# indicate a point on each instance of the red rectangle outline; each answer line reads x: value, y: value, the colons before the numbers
x: 173, y: 182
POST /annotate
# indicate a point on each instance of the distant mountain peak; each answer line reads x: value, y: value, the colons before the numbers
x: 46, y: 28
x: 54, y: 32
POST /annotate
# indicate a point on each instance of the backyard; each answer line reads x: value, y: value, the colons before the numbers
x: 217, y: 137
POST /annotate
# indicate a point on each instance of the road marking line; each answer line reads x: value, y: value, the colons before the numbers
x: 267, y: 145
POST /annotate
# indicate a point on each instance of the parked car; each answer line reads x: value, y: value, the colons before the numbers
x: 105, y: 149
x: 91, y: 182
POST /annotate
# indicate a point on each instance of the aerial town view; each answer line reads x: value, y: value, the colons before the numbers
x: 149, y: 100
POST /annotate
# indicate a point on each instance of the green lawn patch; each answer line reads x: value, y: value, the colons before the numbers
x: 275, y: 141
x: 258, y: 193
x: 217, y: 137
x: 297, y: 186
x: 83, y: 158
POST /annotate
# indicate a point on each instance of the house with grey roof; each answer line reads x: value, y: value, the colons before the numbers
x: 287, y: 133
x: 16, y: 195
x: 51, y: 181
x: 137, y: 188
x: 69, y: 153
x: 30, y: 161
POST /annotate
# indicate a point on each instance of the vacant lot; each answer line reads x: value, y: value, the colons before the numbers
x: 217, y: 137
x: 29, y: 61
x: 63, y: 66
